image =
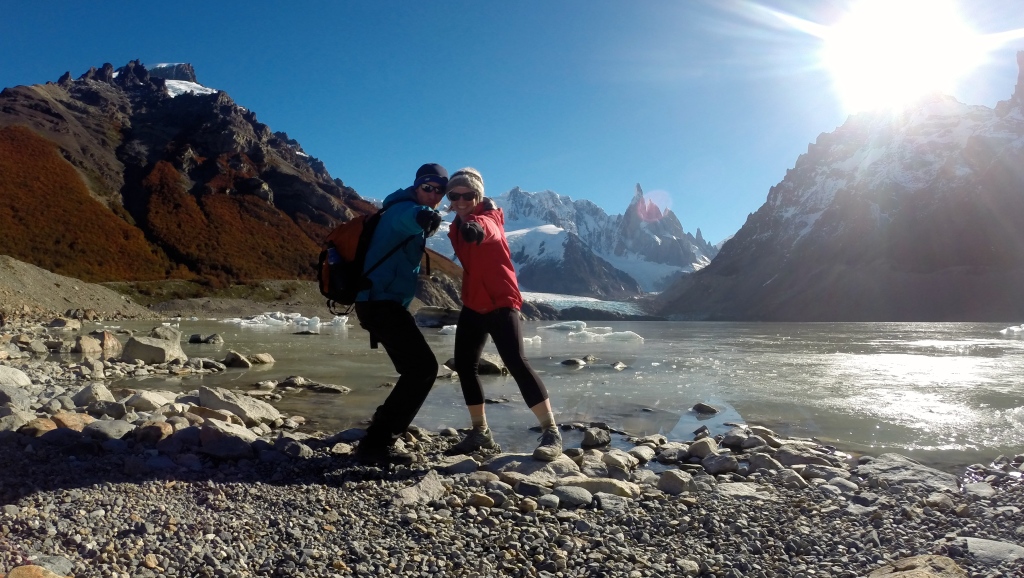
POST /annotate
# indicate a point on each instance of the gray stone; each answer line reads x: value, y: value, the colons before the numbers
x: 526, y: 468
x: 994, y: 552
x: 13, y: 376
x: 152, y: 351
x: 92, y: 393
x: 675, y: 482
x: 595, y: 437
x: 611, y: 503
x: 573, y: 496
x: 720, y: 464
x: 250, y: 411
x: 427, y: 489
x: 898, y: 469
x: 979, y: 490
x: 703, y: 448
x: 224, y: 440
x: 165, y: 332
x: 747, y: 491
x: 107, y: 429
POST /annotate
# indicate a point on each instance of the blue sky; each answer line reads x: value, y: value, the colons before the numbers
x: 704, y: 103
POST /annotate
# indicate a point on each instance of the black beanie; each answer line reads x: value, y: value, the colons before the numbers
x: 431, y: 172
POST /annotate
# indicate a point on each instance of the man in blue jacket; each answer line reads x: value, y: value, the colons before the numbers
x: 383, y: 309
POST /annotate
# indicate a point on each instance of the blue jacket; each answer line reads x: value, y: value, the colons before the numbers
x: 395, y: 278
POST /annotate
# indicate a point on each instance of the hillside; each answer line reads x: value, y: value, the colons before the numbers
x: 126, y: 175
x: 909, y: 215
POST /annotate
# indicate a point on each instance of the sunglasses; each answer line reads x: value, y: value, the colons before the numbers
x: 461, y: 196
x: 432, y: 188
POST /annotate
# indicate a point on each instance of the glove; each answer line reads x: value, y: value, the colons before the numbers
x: 472, y: 232
x: 428, y: 220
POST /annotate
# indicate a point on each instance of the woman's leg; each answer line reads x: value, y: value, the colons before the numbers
x: 504, y: 328
x: 470, y: 337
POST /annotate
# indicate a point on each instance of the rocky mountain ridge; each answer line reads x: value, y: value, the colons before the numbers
x: 609, y: 256
x: 175, y: 180
x: 905, y: 215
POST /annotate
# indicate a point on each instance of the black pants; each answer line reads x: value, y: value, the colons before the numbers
x: 503, y: 327
x: 393, y: 326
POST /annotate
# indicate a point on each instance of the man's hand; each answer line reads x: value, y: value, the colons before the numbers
x: 472, y: 232
x: 429, y: 220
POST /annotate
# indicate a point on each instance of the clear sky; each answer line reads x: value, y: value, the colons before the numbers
x: 704, y: 103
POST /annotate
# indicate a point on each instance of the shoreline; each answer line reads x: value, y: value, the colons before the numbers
x: 219, y: 484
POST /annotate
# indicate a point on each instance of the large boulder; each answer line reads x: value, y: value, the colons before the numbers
x: 152, y: 350
x: 251, y: 411
x: 165, y: 332
x: 86, y: 344
x: 224, y: 440
x: 13, y: 376
x: 898, y: 469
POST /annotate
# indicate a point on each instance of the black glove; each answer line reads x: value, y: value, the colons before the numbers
x: 472, y: 232
x: 428, y: 220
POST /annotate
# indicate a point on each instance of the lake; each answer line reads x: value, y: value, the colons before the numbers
x: 947, y: 394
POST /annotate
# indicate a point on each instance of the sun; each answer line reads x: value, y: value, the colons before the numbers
x: 888, y: 53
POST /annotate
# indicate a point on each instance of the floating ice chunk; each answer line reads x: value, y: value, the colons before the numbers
x: 1013, y: 330
x: 448, y: 330
x: 535, y: 340
x: 339, y: 320
x: 567, y: 326
x: 599, y: 329
x: 590, y: 337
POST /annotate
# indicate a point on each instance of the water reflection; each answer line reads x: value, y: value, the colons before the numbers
x: 921, y: 388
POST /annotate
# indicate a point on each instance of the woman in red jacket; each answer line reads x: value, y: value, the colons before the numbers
x: 490, y: 306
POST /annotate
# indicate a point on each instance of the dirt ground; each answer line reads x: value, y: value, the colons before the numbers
x: 26, y: 291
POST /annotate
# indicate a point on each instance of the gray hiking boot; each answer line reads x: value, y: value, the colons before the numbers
x: 477, y: 439
x: 550, y: 445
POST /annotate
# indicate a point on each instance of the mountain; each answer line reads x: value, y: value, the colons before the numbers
x: 605, y: 256
x: 136, y: 173
x: 899, y: 216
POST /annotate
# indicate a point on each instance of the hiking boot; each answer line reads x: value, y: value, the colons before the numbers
x: 372, y: 454
x: 477, y: 439
x: 550, y: 445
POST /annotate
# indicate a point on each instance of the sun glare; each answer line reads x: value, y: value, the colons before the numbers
x: 887, y: 53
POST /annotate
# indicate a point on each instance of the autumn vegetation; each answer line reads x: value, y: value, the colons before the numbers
x: 49, y: 219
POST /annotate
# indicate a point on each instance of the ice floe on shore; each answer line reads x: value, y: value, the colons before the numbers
x: 578, y: 330
x: 1013, y: 331
x: 279, y: 319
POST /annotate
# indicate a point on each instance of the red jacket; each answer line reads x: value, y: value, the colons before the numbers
x: 489, y: 280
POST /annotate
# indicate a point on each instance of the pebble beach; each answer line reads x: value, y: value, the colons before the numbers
x: 129, y: 483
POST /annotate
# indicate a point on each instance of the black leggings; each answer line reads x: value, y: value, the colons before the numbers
x: 503, y: 327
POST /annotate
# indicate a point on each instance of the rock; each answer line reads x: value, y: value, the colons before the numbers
x: 676, y: 482
x: 526, y: 468
x: 32, y: 571
x: 704, y: 409
x: 595, y: 437
x: 152, y: 351
x: 165, y: 332
x: 75, y: 421
x: 91, y: 394
x: 606, y: 485
x: 620, y: 459
x: 104, y: 429
x: 574, y: 363
x: 86, y: 344
x: 898, y: 469
x: 927, y: 566
x: 994, y: 551
x: 261, y: 359
x: 12, y: 376
x: 747, y: 491
x: 427, y: 489
x: 573, y: 496
x: 251, y: 411
x: 979, y: 490
x: 147, y: 401
x: 764, y: 462
x: 614, y: 504
x: 791, y: 455
x: 642, y: 453
x: 223, y: 440
x: 65, y: 324
x: 236, y: 359
x: 720, y: 464
x: 703, y: 448
x: 110, y: 345
x: 37, y: 427
x: 152, y: 432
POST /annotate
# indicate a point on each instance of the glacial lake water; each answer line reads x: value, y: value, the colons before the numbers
x: 946, y: 394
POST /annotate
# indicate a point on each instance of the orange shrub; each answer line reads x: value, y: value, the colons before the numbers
x: 48, y: 218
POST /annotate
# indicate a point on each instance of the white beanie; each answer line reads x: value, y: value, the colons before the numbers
x: 469, y: 178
